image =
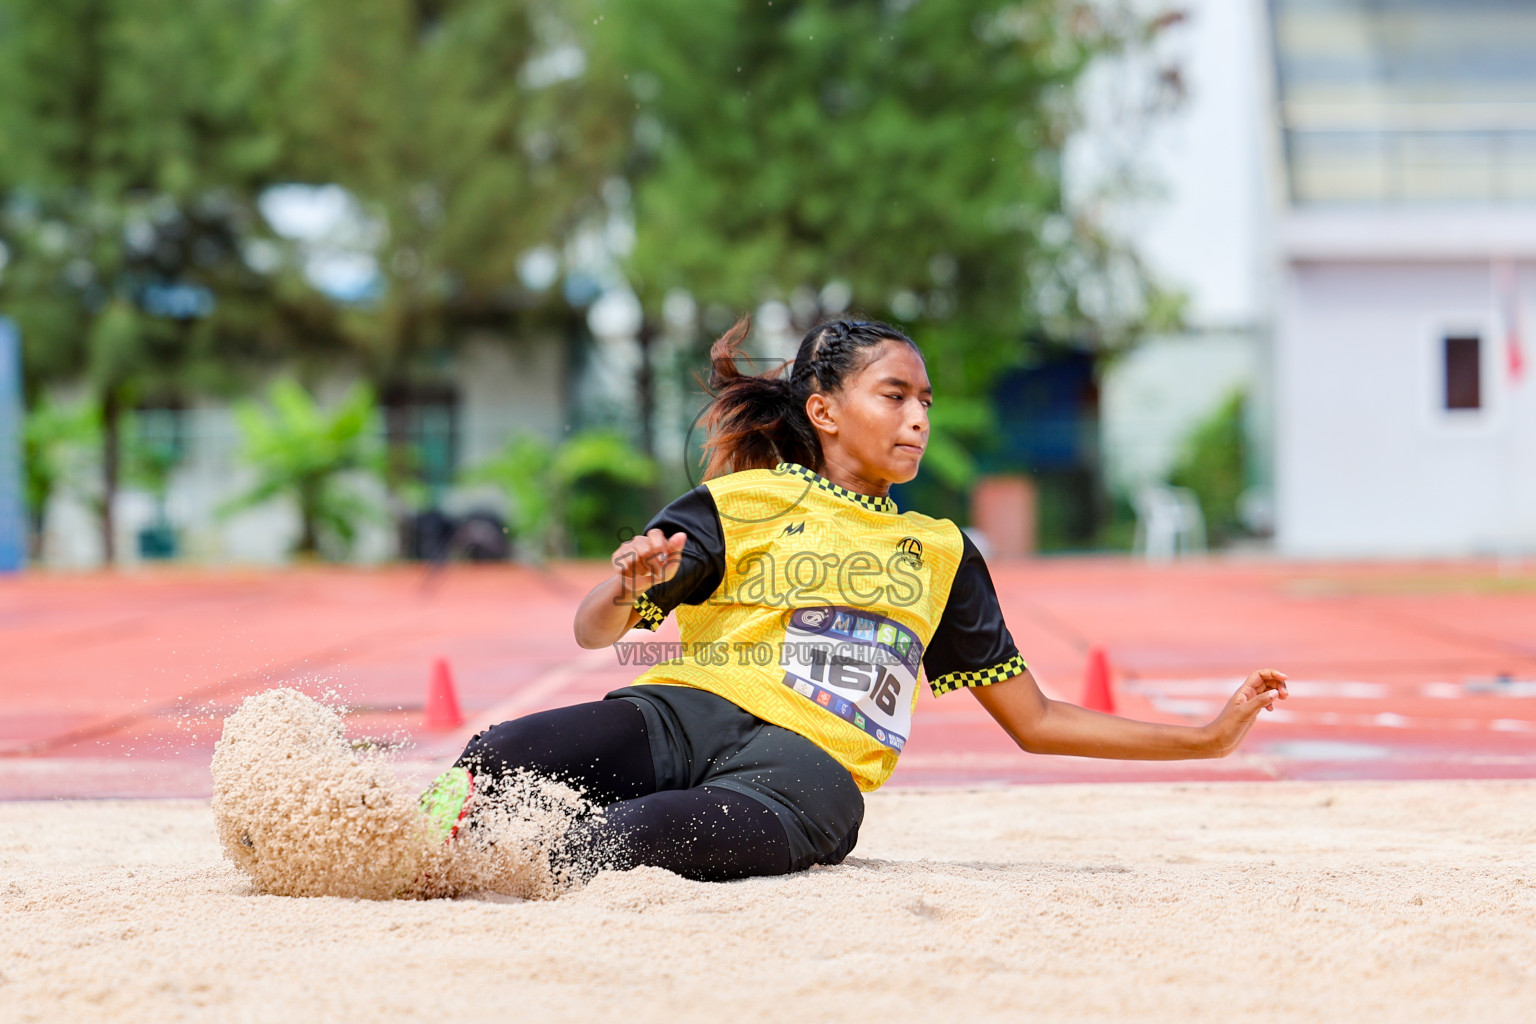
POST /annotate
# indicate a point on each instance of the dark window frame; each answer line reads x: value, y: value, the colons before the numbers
x: 409, y: 410
x: 1461, y: 372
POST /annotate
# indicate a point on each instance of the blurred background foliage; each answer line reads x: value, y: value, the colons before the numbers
x: 894, y: 157
x: 909, y: 152
x: 59, y: 443
x: 471, y: 132
x: 1213, y: 465
x: 318, y: 460
x: 577, y: 496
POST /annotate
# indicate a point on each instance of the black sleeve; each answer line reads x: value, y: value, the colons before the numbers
x: 703, y: 564
x: 972, y: 646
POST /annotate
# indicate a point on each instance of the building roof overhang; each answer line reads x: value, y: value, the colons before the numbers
x: 1407, y: 234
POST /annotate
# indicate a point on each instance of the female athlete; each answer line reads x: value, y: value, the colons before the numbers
x: 807, y: 605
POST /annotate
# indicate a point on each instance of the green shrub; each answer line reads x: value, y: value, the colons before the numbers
x: 572, y: 498
x: 60, y: 446
x: 301, y: 452
x: 1213, y: 464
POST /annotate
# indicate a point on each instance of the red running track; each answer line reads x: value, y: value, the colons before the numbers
x: 116, y: 685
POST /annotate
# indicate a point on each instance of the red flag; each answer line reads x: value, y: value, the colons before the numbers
x: 1509, y: 295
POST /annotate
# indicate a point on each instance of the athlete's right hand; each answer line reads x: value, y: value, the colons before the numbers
x: 648, y: 559
x: 1258, y: 693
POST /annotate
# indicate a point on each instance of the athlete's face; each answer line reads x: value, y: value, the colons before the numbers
x: 875, y: 430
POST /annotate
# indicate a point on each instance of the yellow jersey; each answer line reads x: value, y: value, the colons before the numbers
x: 816, y: 608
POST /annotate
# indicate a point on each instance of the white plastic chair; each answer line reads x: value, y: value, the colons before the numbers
x: 1168, y: 522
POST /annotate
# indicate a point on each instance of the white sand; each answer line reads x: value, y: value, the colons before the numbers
x: 1255, y: 902
x: 303, y: 813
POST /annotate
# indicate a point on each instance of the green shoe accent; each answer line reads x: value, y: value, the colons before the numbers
x: 446, y: 801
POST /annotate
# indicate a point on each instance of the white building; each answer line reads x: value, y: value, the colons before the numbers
x: 1406, y: 247
x: 1401, y: 428
x: 1203, y: 230
x: 1356, y: 181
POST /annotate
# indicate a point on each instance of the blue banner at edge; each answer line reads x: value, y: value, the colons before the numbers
x: 13, y: 520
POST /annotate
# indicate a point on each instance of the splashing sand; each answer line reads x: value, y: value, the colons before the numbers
x: 301, y: 813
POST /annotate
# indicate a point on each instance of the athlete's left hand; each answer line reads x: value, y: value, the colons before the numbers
x: 1258, y: 692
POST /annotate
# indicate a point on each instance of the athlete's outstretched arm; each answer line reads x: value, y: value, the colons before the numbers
x: 1043, y: 726
x: 641, y: 562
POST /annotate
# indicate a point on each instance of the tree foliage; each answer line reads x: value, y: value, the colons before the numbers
x: 137, y: 138
x: 312, y: 457
x: 134, y: 138
x: 897, y: 157
x: 473, y: 132
x: 909, y: 150
x: 59, y: 443
x: 1213, y: 464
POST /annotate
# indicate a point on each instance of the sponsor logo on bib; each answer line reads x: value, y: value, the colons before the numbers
x: 856, y: 664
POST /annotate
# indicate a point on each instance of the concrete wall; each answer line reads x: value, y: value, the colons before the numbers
x: 1202, y: 226
x: 504, y: 389
x: 1199, y: 207
x: 1367, y: 460
x: 1151, y: 400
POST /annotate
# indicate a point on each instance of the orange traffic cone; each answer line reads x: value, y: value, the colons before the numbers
x: 443, y: 711
x: 1098, y: 695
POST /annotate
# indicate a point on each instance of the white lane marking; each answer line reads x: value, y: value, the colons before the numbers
x: 531, y: 694
x: 1203, y: 698
x: 1224, y: 686
x: 1346, y: 689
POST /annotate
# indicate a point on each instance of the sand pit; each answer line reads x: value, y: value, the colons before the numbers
x: 1254, y: 902
x: 302, y: 812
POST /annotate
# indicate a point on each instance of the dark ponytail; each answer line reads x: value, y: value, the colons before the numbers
x: 759, y: 421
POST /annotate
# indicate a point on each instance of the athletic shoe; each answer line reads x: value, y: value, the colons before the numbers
x: 446, y: 801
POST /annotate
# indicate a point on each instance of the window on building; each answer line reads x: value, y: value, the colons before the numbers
x: 421, y: 424
x: 1407, y: 100
x: 1463, y: 371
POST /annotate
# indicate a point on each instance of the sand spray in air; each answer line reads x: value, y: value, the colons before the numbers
x: 302, y: 813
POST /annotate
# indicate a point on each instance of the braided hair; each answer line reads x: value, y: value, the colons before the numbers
x: 759, y: 421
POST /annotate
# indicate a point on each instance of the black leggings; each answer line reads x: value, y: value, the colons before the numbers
x: 735, y: 813
x: 602, y: 749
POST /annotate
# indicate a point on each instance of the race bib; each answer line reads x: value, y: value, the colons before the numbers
x: 858, y: 665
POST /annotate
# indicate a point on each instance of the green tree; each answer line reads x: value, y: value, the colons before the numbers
x: 311, y: 457
x: 57, y: 445
x: 135, y: 136
x: 471, y: 131
x: 909, y: 150
x: 1213, y: 464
